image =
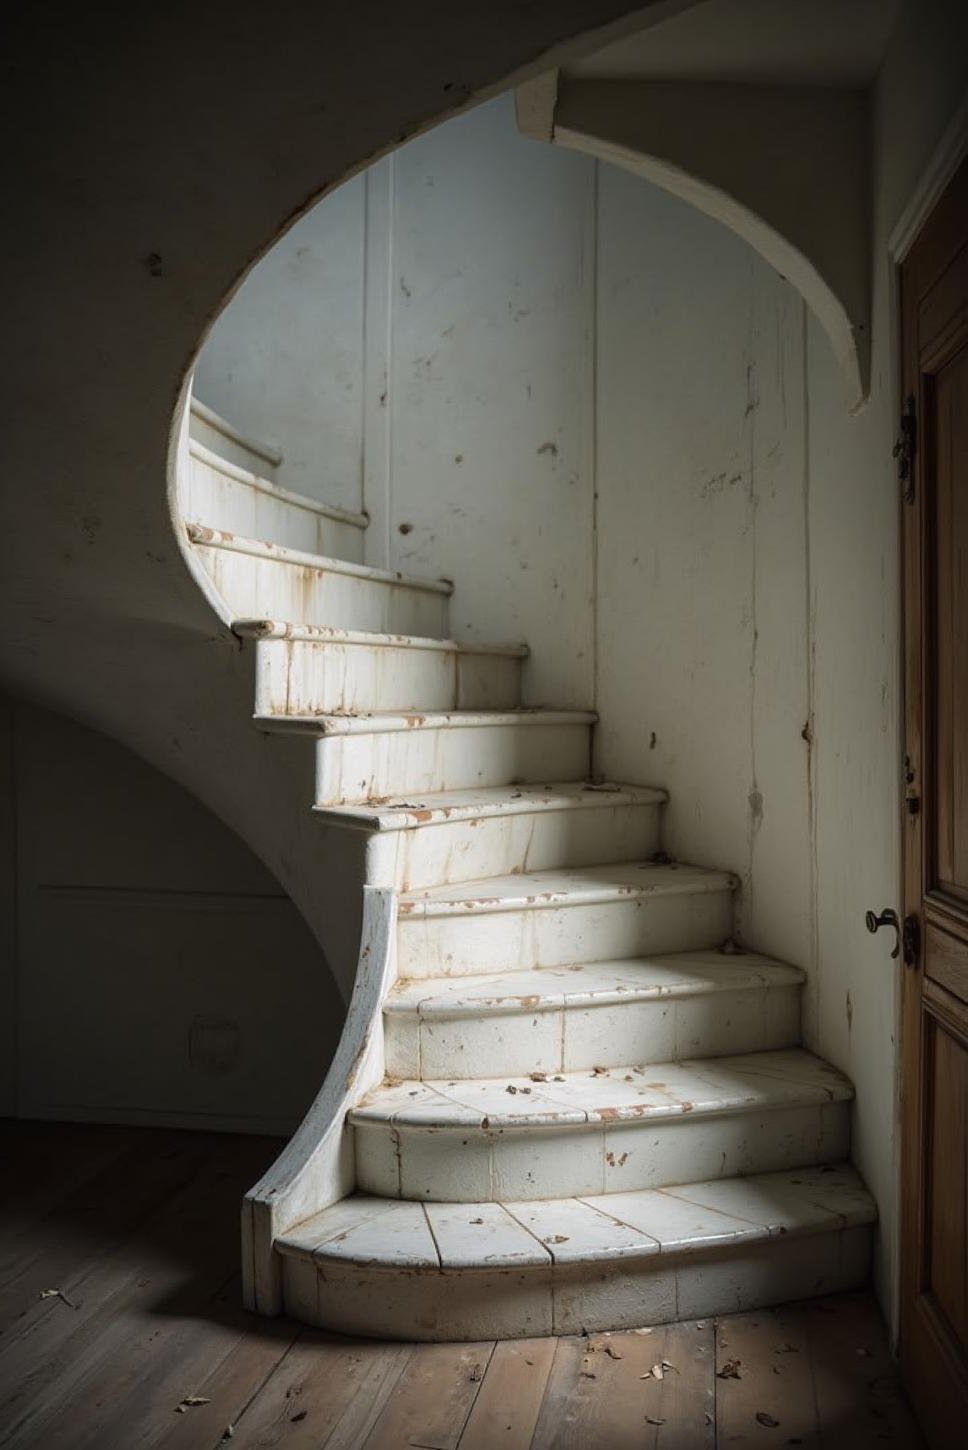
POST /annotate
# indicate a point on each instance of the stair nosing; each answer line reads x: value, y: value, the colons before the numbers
x: 386, y: 816
x: 699, y: 881
x: 277, y: 629
x: 454, y: 1116
x: 817, y: 1219
x: 207, y: 537
x: 780, y: 975
x: 332, y: 724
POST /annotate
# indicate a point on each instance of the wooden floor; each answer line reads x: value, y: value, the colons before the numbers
x: 120, y: 1326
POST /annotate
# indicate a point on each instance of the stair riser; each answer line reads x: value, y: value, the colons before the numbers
x: 474, y: 1304
x: 403, y: 763
x: 438, y: 855
x: 476, y: 1165
x: 257, y: 588
x: 224, y: 502
x: 316, y: 677
x: 570, y: 1038
x: 533, y: 936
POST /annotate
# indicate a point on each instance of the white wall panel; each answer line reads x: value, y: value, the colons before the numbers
x: 283, y: 362
x: 490, y: 388
x: 702, y: 595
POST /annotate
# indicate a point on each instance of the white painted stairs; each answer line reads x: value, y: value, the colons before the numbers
x: 564, y: 1099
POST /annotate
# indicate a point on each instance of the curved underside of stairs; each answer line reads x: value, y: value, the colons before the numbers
x: 564, y: 1098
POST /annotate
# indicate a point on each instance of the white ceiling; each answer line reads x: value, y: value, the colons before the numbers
x: 810, y: 42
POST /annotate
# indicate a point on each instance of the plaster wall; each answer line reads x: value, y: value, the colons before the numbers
x: 150, y: 960
x: 572, y: 381
x: 421, y: 345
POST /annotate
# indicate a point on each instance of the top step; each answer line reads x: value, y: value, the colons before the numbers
x: 258, y: 579
x: 236, y: 499
x: 209, y: 428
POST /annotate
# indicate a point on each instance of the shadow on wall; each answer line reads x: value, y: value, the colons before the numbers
x: 150, y: 961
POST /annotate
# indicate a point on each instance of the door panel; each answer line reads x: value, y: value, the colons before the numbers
x: 934, y: 1146
x: 948, y: 410
x: 947, y: 1244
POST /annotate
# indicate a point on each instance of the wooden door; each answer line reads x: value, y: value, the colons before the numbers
x: 934, y: 1225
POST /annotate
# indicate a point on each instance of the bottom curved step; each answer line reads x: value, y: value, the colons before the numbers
x: 393, y: 1269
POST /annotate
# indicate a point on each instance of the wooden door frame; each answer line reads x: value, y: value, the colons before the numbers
x: 939, y: 203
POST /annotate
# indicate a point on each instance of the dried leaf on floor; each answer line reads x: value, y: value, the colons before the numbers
x: 654, y: 1420
x: 538, y: 1076
x: 659, y: 1371
x: 768, y: 1421
x: 557, y: 1239
x: 57, y: 1294
x: 188, y: 1402
x: 730, y: 1370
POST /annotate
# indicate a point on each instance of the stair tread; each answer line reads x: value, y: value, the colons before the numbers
x: 676, y: 974
x: 562, y: 886
x: 699, y: 1086
x: 396, y: 813
x: 213, y: 538
x: 683, y: 1219
x: 379, y: 722
x: 290, y: 630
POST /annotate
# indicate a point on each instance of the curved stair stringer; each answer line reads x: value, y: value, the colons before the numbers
x: 316, y: 1167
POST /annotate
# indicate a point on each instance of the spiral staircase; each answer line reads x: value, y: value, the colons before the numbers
x: 564, y: 1099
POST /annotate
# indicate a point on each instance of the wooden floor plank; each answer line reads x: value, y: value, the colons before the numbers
x: 600, y: 1392
x: 764, y: 1386
x: 433, y: 1398
x: 96, y: 1218
x: 563, y: 1392
x: 146, y: 1246
x: 860, y: 1403
x: 683, y: 1402
x: 231, y: 1387
x: 323, y: 1386
x: 171, y: 1271
x: 44, y: 1165
x: 506, y: 1411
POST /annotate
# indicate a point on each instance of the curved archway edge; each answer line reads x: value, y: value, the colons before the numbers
x: 784, y: 167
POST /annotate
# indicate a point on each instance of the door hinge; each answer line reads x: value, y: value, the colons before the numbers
x: 905, y: 448
x: 911, y: 941
x: 912, y: 799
